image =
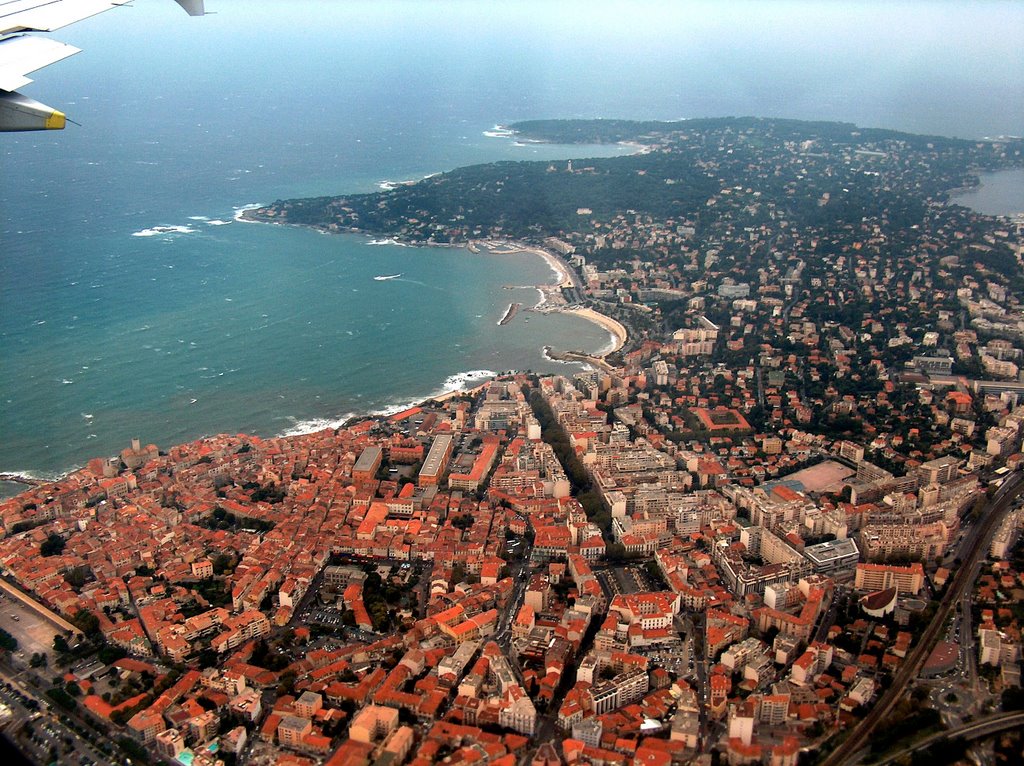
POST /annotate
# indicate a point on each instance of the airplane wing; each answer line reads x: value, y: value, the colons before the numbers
x: 22, y: 53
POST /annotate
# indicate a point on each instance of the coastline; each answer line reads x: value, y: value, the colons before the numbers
x: 563, y: 280
x: 457, y: 384
x: 562, y: 272
x: 998, y: 193
x: 550, y: 301
x: 615, y: 328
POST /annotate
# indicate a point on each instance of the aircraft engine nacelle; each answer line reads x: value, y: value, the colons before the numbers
x: 18, y: 112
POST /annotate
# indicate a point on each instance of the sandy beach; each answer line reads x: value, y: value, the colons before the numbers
x: 614, y: 328
x: 551, y: 297
x: 564, y: 276
x: 556, y: 264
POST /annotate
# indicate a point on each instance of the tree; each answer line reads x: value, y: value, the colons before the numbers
x: 53, y: 545
x: 7, y: 641
x: 221, y: 563
x: 86, y: 622
x: 77, y: 576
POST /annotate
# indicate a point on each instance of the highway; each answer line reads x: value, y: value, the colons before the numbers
x: 983, y: 727
x: 974, y: 548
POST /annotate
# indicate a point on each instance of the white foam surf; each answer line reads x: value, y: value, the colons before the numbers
x: 460, y: 381
x: 157, y: 231
x: 314, y: 425
x: 38, y: 475
x: 388, y: 241
x: 238, y: 211
x: 499, y: 132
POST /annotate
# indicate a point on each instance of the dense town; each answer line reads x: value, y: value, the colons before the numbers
x: 779, y: 526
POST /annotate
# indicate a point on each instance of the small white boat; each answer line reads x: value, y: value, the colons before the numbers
x: 386, y: 277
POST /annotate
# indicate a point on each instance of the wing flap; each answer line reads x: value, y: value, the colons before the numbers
x: 22, y: 54
x: 192, y: 7
x: 48, y: 15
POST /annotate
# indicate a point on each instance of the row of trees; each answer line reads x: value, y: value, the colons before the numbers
x: 580, y: 483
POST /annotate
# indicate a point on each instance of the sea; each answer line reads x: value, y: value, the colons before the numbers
x: 133, y: 304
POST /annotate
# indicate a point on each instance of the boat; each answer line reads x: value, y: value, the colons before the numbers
x: 386, y: 277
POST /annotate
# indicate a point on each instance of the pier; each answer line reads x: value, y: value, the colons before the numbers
x: 578, y: 356
x: 510, y: 313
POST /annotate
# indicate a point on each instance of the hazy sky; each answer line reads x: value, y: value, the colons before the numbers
x: 850, y: 60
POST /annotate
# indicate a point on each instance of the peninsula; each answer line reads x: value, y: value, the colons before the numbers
x: 780, y: 524
x: 699, y: 194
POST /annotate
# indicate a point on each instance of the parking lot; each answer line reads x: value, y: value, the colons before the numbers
x: 625, y: 580
x: 34, y: 633
x: 674, y: 656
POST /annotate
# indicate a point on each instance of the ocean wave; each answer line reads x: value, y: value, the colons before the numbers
x: 158, y: 230
x: 499, y: 132
x: 38, y: 475
x: 457, y: 382
x: 242, y: 208
x: 388, y: 241
x: 575, y: 362
x: 218, y: 222
x: 198, y: 218
x: 613, y: 343
x: 314, y: 425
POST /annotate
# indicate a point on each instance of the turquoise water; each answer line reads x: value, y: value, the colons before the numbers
x: 106, y: 334
x: 262, y: 329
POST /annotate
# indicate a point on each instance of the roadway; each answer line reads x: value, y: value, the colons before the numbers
x: 974, y: 548
x: 983, y: 727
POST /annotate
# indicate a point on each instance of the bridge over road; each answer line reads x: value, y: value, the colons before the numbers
x: 983, y: 727
x: 972, y: 550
